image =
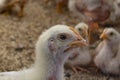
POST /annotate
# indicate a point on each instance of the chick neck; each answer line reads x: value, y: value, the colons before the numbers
x: 49, y: 66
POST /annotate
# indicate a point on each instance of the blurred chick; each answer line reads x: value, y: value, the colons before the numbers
x: 90, y: 10
x: 83, y: 28
x: 100, y: 11
x: 108, y: 56
x: 93, y: 12
x: 8, y: 5
x: 117, y: 8
x: 81, y: 57
x: 115, y: 13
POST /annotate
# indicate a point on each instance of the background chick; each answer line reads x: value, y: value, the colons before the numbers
x: 83, y: 28
x: 108, y: 56
x: 8, y: 5
x: 81, y: 56
x: 117, y: 8
x: 103, y: 12
x: 93, y: 12
x: 114, y: 18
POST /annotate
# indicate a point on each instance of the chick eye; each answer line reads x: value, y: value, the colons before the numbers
x: 79, y: 29
x: 111, y: 34
x: 62, y: 36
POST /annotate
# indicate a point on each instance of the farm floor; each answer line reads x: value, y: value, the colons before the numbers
x: 18, y: 37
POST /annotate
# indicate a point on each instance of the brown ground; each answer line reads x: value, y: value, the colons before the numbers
x: 18, y: 37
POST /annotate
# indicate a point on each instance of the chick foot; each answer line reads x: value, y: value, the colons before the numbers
x: 75, y: 69
x: 82, y: 69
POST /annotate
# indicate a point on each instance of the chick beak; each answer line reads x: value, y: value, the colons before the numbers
x: 76, y: 43
x: 103, y: 36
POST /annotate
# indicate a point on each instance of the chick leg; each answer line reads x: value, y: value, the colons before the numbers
x: 22, y: 6
x: 82, y: 69
x: 21, y: 12
x: 70, y: 66
x: 76, y: 68
x: 59, y: 7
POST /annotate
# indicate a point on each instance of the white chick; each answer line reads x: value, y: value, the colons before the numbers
x: 108, y: 56
x: 53, y: 48
x: 83, y: 29
x: 117, y: 8
x: 90, y: 10
x: 100, y: 11
x: 81, y: 57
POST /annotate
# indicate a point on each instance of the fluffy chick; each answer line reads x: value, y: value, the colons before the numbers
x: 108, y: 56
x: 92, y: 10
x: 115, y: 13
x: 53, y: 48
x: 104, y: 12
x: 81, y: 57
x: 83, y: 29
x: 117, y: 8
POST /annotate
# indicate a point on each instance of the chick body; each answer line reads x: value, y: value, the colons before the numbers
x: 108, y: 56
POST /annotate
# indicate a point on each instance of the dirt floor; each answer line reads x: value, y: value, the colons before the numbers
x: 18, y: 37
